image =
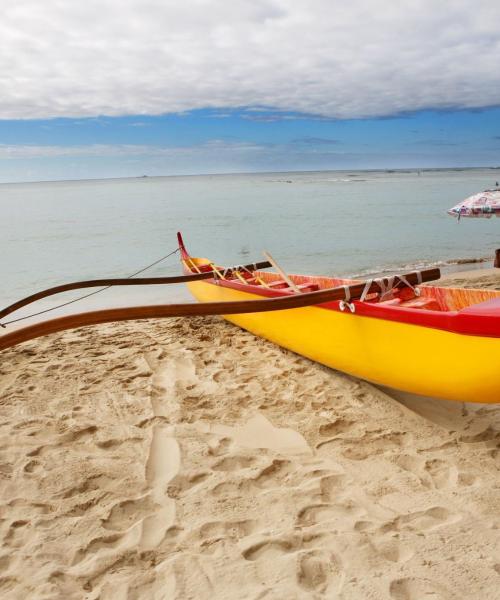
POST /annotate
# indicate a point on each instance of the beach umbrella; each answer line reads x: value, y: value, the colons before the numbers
x: 485, y: 204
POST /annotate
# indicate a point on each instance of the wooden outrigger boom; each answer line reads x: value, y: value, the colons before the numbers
x: 198, y: 309
x: 123, y: 281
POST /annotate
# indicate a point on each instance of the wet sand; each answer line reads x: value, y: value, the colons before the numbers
x: 189, y: 459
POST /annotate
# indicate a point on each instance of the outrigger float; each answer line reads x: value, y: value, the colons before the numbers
x: 436, y: 341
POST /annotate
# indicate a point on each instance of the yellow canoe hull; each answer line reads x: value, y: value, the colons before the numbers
x: 408, y: 357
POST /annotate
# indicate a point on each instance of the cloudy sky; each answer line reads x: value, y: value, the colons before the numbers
x: 126, y: 87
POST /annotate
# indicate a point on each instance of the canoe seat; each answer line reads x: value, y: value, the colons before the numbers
x: 308, y: 287
x: 391, y: 302
x: 415, y: 302
x: 422, y: 303
x: 206, y: 268
x: 281, y: 284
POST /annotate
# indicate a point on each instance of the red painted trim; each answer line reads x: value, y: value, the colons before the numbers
x: 182, y: 248
x: 473, y: 320
x: 483, y: 318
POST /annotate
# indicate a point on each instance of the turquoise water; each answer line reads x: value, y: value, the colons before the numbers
x: 326, y: 223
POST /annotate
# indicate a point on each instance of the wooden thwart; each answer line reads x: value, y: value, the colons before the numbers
x: 291, y: 284
x: 206, y: 308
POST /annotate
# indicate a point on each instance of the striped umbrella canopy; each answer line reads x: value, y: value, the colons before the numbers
x: 485, y: 204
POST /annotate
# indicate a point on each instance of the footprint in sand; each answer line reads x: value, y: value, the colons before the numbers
x: 487, y: 436
x: 234, y: 463
x: 394, y: 551
x: 417, y: 589
x: 439, y: 472
x: 317, y: 513
x: 32, y: 466
x: 170, y: 380
x: 271, y: 475
x: 272, y: 548
x: 184, y: 482
x: 220, y: 446
x: 317, y: 570
x: 332, y: 485
x: 78, y: 434
x: 17, y: 534
x: 432, y: 518
x: 364, y: 525
x: 125, y: 514
x: 232, y: 488
x: 5, y: 561
x: 374, y: 443
x: 320, y: 571
x: 227, y: 529
x: 162, y: 466
x: 432, y: 473
x: 409, y: 462
x: 337, y: 427
x: 221, y: 376
x: 110, y: 542
x: 467, y: 479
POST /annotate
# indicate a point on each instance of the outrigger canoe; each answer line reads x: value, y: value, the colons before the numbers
x: 441, y: 342
x: 393, y: 331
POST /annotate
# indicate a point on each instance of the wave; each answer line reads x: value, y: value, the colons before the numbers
x: 420, y: 265
x: 316, y: 181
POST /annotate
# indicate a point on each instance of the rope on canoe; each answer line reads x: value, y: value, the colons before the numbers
x: 388, y: 286
x: 41, y: 312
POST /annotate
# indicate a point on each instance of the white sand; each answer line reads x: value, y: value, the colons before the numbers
x: 478, y: 278
x: 188, y: 459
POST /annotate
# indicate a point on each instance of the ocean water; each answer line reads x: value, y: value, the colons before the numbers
x: 332, y: 223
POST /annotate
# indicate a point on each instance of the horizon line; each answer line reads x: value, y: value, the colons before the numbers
x: 230, y: 173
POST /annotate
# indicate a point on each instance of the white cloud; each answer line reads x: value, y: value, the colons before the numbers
x: 219, y: 147
x: 325, y: 57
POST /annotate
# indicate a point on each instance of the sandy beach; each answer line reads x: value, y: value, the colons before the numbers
x: 189, y: 459
x: 480, y: 278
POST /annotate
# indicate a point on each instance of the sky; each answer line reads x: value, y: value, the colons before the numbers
x: 124, y: 88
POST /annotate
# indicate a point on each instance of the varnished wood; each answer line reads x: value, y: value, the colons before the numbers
x: 291, y: 284
x: 123, y: 281
x: 202, y: 309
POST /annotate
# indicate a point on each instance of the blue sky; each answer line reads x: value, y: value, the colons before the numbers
x: 212, y: 87
x: 211, y: 141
